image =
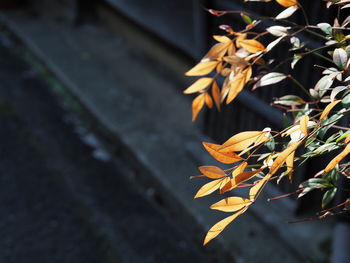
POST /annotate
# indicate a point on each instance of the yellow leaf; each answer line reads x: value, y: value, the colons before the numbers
x: 241, y: 141
x: 231, y: 204
x: 216, y: 229
x: 224, y: 183
x: 202, y: 68
x: 228, y: 158
x: 256, y: 189
x: 239, y: 169
x: 222, y: 39
x: 219, y: 50
x: 347, y: 139
x: 282, y: 157
x: 337, y: 159
x: 212, y: 172
x: 238, y: 84
x: 197, y: 105
x: 209, y: 188
x: 208, y: 100
x: 303, y: 123
x: 199, y: 85
x: 327, y: 110
x: 287, y: 3
x: 215, y: 92
x: 251, y: 45
x: 290, y: 165
x: 238, y: 179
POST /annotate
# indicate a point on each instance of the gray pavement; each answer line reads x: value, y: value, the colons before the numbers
x: 62, y: 200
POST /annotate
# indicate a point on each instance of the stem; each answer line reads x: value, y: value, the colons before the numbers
x: 300, y: 85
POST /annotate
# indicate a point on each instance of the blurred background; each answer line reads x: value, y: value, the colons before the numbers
x: 97, y: 142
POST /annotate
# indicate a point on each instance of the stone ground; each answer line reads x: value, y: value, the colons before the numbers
x: 62, y: 200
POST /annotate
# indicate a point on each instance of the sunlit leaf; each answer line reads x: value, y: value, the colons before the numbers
x: 257, y: 188
x: 251, y: 45
x: 287, y: 3
x: 304, y: 124
x: 212, y: 172
x: 202, y: 68
x: 209, y: 188
x: 337, y: 159
x: 271, y: 78
x: 215, y: 92
x: 236, y: 86
x: 278, y: 31
x: 340, y: 57
x: 228, y: 157
x: 208, y: 100
x: 282, y: 157
x: 325, y: 27
x: 328, y: 196
x: 287, y: 12
x: 231, y: 204
x: 241, y: 141
x: 199, y: 85
x: 329, y: 107
x: 216, y: 229
x: 197, y: 105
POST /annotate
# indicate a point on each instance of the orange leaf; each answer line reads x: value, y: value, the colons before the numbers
x: 282, y: 157
x: 199, y: 85
x: 287, y: 3
x: 215, y: 92
x: 239, y: 169
x: 216, y: 229
x: 241, y: 141
x: 219, y: 50
x: 236, y: 86
x: 209, y: 188
x: 251, y: 45
x: 337, y: 159
x: 237, y: 180
x: 222, y: 39
x: 212, y: 172
x: 256, y: 189
x: 303, y: 123
x: 197, y: 105
x: 208, y: 100
x: 202, y: 68
x: 347, y: 139
x: 231, y: 204
x: 327, y: 110
x: 228, y: 158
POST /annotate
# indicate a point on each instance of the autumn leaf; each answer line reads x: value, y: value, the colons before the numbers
x: 239, y: 179
x: 327, y: 110
x: 337, y: 159
x: 216, y: 229
x: 208, y: 100
x: 251, y: 45
x: 214, y: 150
x: 202, y: 68
x: 215, y: 92
x: 236, y: 86
x: 241, y: 141
x: 209, y: 188
x: 197, y: 105
x: 282, y: 157
x: 231, y: 204
x: 257, y: 188
x: 212, y: 172
x: 303, y: 124
x: 199, y: 85
x: 287, y: 3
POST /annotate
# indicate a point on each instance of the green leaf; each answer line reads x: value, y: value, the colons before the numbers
x: 325, y: 27
x: 271, y: 144
x: 289, y: 100
x: 271, y: 78
x: 346, y: 101
x: 316, y: 183
x: 328, y: 196
x: 340, y: 57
